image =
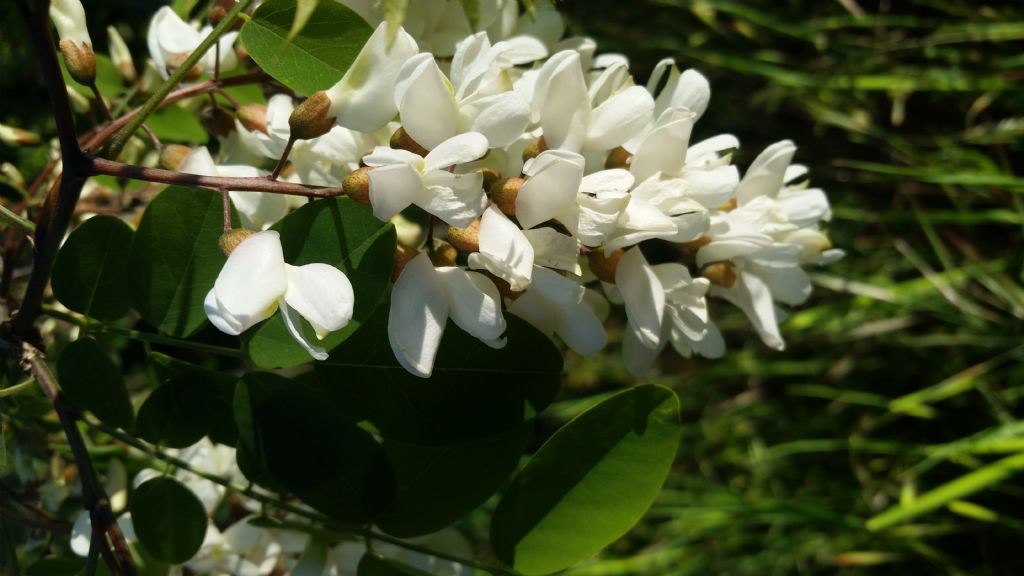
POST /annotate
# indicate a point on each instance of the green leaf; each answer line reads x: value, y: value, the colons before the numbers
x: 372, y: 565
x: 454, y: 439
x: 169, y: 519
x: 215, y: 390
x: 56, y: 567
x: 303, y: 10
x: 342, y: 233
x: 589, y: 483
x: 295, y: 437
x: 90, y: 381
x: 175, y: 258
x: 91, y: 272
x: 175, y: 124
x: 317, y: 57
x: 175, y: 415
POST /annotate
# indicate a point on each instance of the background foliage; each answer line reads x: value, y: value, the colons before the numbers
x: 885, y: 438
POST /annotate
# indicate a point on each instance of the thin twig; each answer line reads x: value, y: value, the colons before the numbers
x: 154, y: 101
x: 284, y: 158
x: 215, y: 183
x: 117, y: 555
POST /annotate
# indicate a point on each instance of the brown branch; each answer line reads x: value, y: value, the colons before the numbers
x: 34, y: 523
x: 215, y: 183
x: 117, y: 556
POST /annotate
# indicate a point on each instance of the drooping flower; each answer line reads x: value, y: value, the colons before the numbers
x: 504, y: 250
x: 257, y: 210
x: 170, y: 40
x: 425, y: 297
x: 256, y: 281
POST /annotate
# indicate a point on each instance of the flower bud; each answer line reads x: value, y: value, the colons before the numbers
x: 721, y: 273
x: 18, y: 137
x: 466, y: 239
x: 443, y: 254
x: 218, y: 121
x: 177, y: 61
x: 172, y: 155
x: 69, y: 18
x: 121, y: 56
x: 357, y: 185
x: 403, y: 255
x: 220, y: 10
x: 690, y: 248
x: 401, y: 140
x: 253, y: 117
x: 80, y: 60
x: 604, y: 266
x: 504, y: 193
x: 310, y: 120
x: 618, y: 158
x: 535, y: 148
x: 230, y: 239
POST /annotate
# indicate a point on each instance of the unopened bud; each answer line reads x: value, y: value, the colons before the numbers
x: 218, y: 121
x: 401, y: 140
x: 173, y: 155
x: 177, y: 61
x: 504, y: 193
x: 220, y: 10
x: 466, y: 239
x: 10, y: 175
x: 253, y: 117
x: 604, y: 266
x: 618, y: 158
x: 121, y: 56
x: 230, y: 239
x: 720, y: 273
x: 443, y: 254
x: 18, y: 137
x: 357, y: 185
x: 310, y: 120
x: 80, y: 60
x: 403, y: 255
x: 490, y: 177
x: 535, y: 148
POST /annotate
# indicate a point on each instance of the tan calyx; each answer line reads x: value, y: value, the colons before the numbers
x: 403, y: 255
x: 443, y: 254
x: 401, y: 140
x: 535, y: 148
x: 357, y: 185
x: 253, y: 117
x: 172, y: 155
x: 466, y: 239
x: 721, y: 273
x: 604, y: 266
x: 80, y: 60
x: 310, y: 118
x: 177, y: 61
x: 230, y: 239
x: 618, y: 158
x: 504, y: 193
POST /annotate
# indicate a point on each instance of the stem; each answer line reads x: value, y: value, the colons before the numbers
x: 215, y: 183
x: 12, y: 219
x: 227, y: 210
x: 117, y: 556
x: 17, y: 388
x: 284, y: 158
x: 101, y: 102
x: 121, y: 138
x: 274, y: 501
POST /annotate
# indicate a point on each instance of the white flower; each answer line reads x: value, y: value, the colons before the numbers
x: 69, y: 18
x: 362, y: 99
x: 170, y: 38
x: 574, y: 119
x: 423, y: 299
x: 256, y: 281
x: 478, y: 98
x: 504, y: 250
x: 555, y: 304
x: 257, y: 210
x: 81, y: 532
x: 401, y: 178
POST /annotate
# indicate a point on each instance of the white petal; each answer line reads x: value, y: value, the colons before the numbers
x: 259, y: 210
x: 504, y: 250
x: 643, y: 296
x: 752, y: 296
x: 456, y: 150
x: 81, y: 534
x: 714, y: 187
x: 581, y: 330
x: 295, y: 329
x: 607, y: 181
x: 251, y: 282
x: 363, y: 98
x: 199, y: 161
x: 322, y: 294
x: 419, y: 310
x: 736, y: 241
x: 765, y: 175
x: 664, y: 149
x: 384, y: 156
x: 553, y: 249
x: 636, y: 356
x: 550, y: 189
x: 619, y: 118
x: 474, y: 304
x: 393, y: 188
x: 639, y: 221
x: 458, y: 199
x: 537, y: 310
x: 561, y: 95
x: 805, y: 208
x: 692, y: 91
x: 788, y: 285
x: 427, y: 107
x: 557, y: 289
x: 711, y: 148
x: 69, y: 18
x: 500, y: 117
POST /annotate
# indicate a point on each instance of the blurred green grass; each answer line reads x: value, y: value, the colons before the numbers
x: 888, y: 437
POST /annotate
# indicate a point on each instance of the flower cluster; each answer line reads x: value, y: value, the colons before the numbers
x: 537, y: 171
